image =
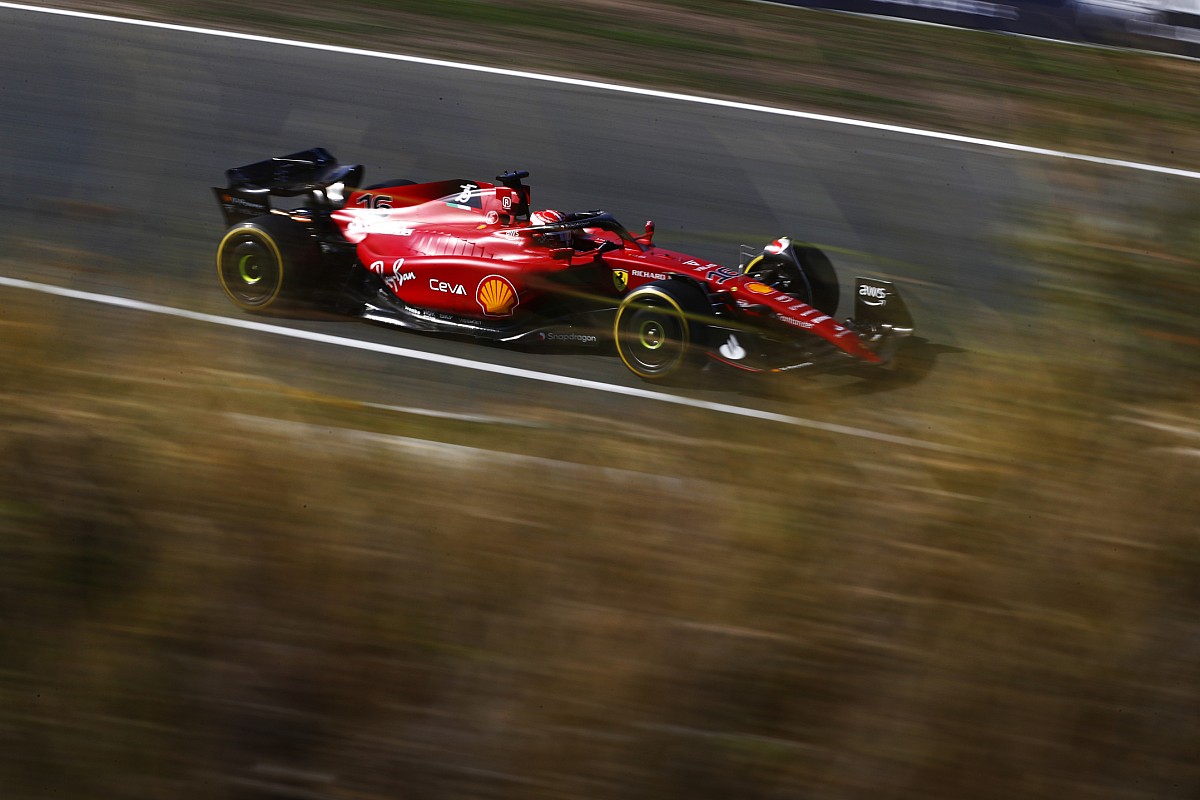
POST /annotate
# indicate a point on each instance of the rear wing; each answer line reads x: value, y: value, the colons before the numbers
x: 313, y: 173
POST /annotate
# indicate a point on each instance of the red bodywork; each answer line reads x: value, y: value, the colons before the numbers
x: 459, y: 247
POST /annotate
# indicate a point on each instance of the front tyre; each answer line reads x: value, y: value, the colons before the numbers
x: 264, y: 262
x: 659, y: 330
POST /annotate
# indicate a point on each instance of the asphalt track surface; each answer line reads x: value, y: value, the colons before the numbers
x: 112, y: 135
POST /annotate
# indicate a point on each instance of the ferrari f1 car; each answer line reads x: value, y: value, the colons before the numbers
x: 471, y: 258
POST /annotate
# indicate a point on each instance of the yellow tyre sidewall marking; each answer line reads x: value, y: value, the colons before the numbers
x: 750, y: 266
x: 270, y: 242
x: 630, y: 300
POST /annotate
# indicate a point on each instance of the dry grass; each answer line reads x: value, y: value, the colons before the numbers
x: 215, y: 586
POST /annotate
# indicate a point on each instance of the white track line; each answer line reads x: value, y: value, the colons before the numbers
x: 535, y: 76
x: 480, y: 366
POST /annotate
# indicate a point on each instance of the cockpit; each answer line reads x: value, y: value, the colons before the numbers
x: 584, y: 231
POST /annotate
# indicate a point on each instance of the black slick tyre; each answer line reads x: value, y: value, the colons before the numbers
x: 659, y: 330
x: 266, y: 262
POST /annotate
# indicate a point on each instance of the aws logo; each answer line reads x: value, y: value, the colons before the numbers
x: 496, y: 296
x: 873, y: 295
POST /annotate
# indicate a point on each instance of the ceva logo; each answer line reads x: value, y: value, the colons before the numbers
x: 449, y: 288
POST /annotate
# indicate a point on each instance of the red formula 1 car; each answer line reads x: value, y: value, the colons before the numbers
x: 469, y: 257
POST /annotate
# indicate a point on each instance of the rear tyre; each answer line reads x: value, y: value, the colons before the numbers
x: 266, y: 262
x: 659, y: 330
x: 809, y: 277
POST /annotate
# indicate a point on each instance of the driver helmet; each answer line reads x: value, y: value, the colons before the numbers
x: 549, y: 216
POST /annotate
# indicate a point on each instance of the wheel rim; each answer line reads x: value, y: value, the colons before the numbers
x: 250, y: 270
x: 652, y: 338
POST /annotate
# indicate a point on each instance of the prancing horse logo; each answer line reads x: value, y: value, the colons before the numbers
x: 621, y: 279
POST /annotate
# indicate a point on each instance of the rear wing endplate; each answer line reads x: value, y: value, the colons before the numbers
x: 314, y: 173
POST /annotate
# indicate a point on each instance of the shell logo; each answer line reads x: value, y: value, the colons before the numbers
x: 496, y: 296
x: 759, y: 288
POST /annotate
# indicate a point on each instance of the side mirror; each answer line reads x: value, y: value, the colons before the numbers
x: 648, y: 236
x: 562, y: 253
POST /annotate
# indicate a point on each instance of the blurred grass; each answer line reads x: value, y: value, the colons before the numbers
x: 216, y: 585
x: 1104, y: 102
